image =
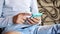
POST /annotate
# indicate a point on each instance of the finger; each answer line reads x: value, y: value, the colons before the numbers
x: 28, y: 22
x: 31, y: 21
x: 35, y: 20
x: 24, y: 18
x: 20, y: 21
x: 21, y: 17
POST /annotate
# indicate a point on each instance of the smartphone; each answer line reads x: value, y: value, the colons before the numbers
x: 36, y: 15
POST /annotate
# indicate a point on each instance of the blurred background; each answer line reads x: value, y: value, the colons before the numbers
x: 50, y: 10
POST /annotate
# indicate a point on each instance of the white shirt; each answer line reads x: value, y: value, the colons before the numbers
x: 18, y: 6
x: 13, y: 7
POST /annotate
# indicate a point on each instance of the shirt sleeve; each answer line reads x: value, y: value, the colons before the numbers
x: 1, y: 6
x: 4, y: 22
x: 34, y: 6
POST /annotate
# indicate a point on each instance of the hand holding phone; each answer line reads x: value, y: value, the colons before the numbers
x: 34, y: 19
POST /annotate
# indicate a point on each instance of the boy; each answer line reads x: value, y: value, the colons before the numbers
x: 12, y: 16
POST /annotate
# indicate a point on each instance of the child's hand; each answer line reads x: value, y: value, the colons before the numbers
x: 20, y: 18
x: 33, y: 20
